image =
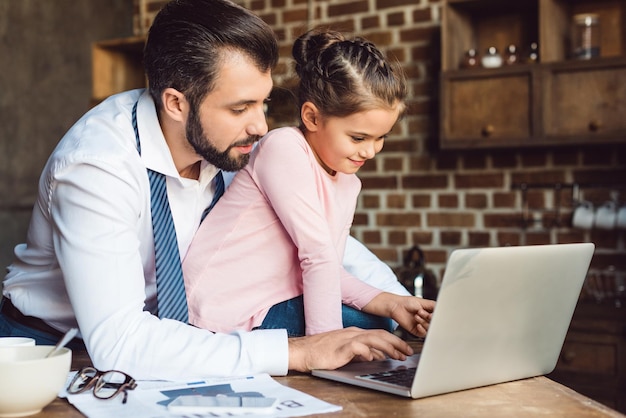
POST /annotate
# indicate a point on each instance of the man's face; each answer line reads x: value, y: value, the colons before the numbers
x: 231, y: 118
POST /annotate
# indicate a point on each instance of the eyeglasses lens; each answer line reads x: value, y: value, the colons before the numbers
x: 109, y: 384
x: 82, y: 381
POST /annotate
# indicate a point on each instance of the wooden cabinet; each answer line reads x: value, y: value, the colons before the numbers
x: 117, y: 66
x: 480, y: 108
x: 552, y: 100
x: 593, y: 358
x: 585, y: 101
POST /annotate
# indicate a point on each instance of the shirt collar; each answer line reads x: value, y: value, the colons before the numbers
x: 154, y: 150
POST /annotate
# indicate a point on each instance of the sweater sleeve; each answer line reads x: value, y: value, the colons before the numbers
x: 287, y: 175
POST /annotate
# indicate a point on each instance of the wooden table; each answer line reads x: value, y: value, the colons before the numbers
x: 532, y: 397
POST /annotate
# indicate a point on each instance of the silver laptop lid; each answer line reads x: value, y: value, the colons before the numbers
x: 502, y: 314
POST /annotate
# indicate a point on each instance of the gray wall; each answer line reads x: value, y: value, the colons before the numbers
x: 45, y: 86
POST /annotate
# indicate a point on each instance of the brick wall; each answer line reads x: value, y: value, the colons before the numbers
x: 414, y: 194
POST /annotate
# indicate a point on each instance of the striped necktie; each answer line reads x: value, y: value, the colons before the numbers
x: 171, y: 297
x: 219, y: 191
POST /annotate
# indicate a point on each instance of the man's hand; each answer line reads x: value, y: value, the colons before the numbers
x: 334, y: 349
x: 412, y: 313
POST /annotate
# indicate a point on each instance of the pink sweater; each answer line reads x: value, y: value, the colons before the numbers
x: 278, y: 232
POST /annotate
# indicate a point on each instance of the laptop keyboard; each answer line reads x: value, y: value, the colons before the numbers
x: 400, y: 376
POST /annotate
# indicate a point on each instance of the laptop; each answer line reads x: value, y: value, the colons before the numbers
x: 502, y: 314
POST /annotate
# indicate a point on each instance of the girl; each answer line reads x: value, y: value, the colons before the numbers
x: 291, y: 208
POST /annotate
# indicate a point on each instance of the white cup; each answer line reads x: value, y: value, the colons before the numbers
x: 583, y: 215
x: 621, y: 217
x: 606, y: 216
x: 16, y: 341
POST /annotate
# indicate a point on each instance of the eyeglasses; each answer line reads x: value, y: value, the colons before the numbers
x: 106, y: 385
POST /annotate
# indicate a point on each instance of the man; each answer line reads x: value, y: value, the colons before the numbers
x: 89, y: 260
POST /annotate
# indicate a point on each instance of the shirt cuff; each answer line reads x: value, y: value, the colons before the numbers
x: 270, y: 350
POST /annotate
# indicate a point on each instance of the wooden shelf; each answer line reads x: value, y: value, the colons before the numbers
x: 117, y: 66
x: 554, y: 101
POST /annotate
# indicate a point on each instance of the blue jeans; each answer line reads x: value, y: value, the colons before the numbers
x: 289, y: 315
x: 12, y: 328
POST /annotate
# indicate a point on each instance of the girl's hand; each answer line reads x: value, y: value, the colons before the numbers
x: 410, y: 312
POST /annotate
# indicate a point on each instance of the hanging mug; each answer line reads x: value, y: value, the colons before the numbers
x: 583, y: 215
x: 606, y: 215
x: 621, y: 217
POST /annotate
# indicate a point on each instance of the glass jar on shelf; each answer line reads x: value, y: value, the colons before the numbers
x: 533, y: 53
x: 586, y: 36
x: 470, y: 59
x: 511, y: 55
x: 492, y: 58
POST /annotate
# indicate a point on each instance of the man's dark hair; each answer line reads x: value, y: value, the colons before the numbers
x: 187, y: 39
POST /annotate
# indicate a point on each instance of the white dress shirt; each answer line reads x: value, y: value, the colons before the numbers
x: 89, y: 255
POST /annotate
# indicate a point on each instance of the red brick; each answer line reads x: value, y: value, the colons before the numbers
x: 396, y: 54
x: 370, y: 22
x: 347, y: 8
x: 297, y: 15
x: 540, y: 176
x: 417, y: 108
x: 393, y: 164
x: 479, y: 239
x: 450, y: 238
x: 386, y: 183
x: 477, y: 180
x: 508, y: 238
x: 372, y: 237
x: 419, y: 34
x: 385, y: 254
x: 360, y: 219
x: 422, y: 15
x: 421, y: 201
x: 370, y: 201
x: 426, y: 181
x: 422, y: 238
x: 397, y: 238
x: 269, y: 18
x: 450, y: 219
x: 385, y: 4
x: 419, y: 163
x: 370, y: 166
x: 277, y: 4
x: 537, y: 238
x: 435, y: 256
x: 421, y: 89
x: 395, y: 19
x: 399, y: 145
x: 421, y: 53
x: 476, y: 200
x: 504, y: 199
x: 396, y: 201
x: 399, y: 219
x: 380, y: 38
x: 498, y: 220
x: 448, y: 201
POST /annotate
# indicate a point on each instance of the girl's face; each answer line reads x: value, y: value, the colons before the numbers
x: 343, y: 144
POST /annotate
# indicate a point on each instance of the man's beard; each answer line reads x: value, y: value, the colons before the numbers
x: 203, y: 146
